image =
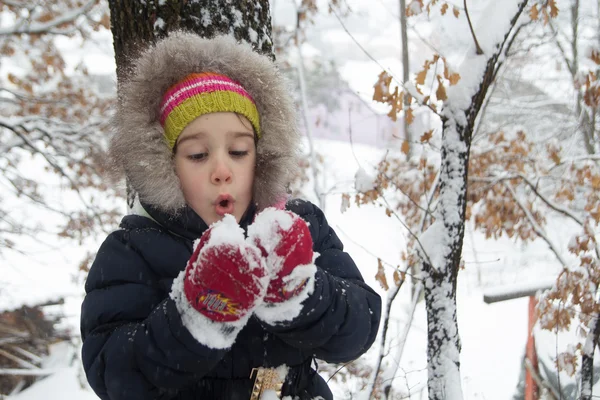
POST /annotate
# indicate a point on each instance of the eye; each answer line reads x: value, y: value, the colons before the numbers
x: 238, y: 154
x: 197, y: 156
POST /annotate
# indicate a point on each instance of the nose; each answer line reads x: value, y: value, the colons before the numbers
x: 221, y: 172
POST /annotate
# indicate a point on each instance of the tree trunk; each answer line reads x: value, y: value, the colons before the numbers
x: 405, y: 77
x: 440, y: 278
x: 135, y: 23
x: 587, y: 361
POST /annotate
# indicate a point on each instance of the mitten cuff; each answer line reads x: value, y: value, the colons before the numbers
x: 216, y: 335
x: 273, y: 313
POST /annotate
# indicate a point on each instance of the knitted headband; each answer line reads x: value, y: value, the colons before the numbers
x: 204, y: 93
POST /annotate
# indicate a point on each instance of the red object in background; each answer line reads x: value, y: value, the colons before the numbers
x: 531, y: 389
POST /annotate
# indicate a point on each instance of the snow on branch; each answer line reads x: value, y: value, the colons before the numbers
x: 50, y: 27
x: 509, y: 292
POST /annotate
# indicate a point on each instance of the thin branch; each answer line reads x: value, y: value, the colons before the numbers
x: 23, y: 97
x: 26, y: 372
x: 48, y: 27
x: 536, y: 377
x: 410, y: 232
x: 61, y: 172
x: 414, y: 95
x: 399, y: 189
x: 561, y: 49
x: 552, y: 205
x: 559, y: 209
x: 536, y: 227
x: 31, y: 356
x: 404, y: 337
x: 386, y: 322
x: 19, y: 361
x: 477, y: 47
x: 385, y: 263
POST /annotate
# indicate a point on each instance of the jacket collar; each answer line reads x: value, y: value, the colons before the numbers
x: 188, y: 223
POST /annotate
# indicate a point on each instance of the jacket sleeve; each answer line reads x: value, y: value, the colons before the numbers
x: 135, y: 345
x: 340, y: 318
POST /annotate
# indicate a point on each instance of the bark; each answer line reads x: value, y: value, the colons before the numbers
x: 135, y: 24
x: 587, y: 361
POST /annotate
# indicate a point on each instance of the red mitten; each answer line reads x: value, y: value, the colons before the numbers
x: 223, y: 282
x: 285, y: 241
x: 224, y: 277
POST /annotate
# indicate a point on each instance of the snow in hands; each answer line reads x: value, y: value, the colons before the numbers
x: 270, y: 274
x: 286, y: 243
x: 224, y: 281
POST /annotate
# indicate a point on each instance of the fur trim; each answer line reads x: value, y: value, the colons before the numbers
x: 138, y: 146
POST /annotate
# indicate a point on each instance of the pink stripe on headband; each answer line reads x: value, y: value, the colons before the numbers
x: 197, y: 88
x: 209, y: 82
x: 190, y: 79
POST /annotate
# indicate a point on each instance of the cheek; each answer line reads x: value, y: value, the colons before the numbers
x: 186, y: 177
x: 250, y: 177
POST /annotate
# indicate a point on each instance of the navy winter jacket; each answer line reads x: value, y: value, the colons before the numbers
x: 136, y: 347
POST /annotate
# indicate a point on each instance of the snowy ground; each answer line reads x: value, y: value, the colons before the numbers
x: 493, y: 336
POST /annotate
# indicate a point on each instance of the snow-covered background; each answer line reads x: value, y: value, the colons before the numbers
x: 493, y: 335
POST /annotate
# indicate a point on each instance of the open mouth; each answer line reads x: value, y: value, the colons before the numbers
x: 224, y: 205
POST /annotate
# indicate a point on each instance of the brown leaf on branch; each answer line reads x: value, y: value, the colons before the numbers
x: 382, y: 87
x: 409, y: 116
x: 380, y: 276
x: 553, y: 8
x: 440, y: 93
x: 426, y: 136
x: 405, y: 147
x: 399, y: 278
x: 420, y: 80
x: 534, y: 13
x: 454, y: 78
x: 444, y: 8
x: 456, y: 12
x: 414, y: 7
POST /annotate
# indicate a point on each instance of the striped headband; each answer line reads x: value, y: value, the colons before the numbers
x: 204, y: 93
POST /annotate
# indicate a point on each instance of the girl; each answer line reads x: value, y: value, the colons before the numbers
x: 216, y: 287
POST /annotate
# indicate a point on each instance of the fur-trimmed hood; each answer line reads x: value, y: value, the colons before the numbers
x: 138, y: 147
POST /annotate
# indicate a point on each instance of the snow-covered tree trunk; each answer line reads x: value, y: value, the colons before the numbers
x: 587, y: 361
x: 135, y: 23
x: 443, y: 240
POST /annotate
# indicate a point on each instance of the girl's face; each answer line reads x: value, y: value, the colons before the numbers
x: 215, y: 159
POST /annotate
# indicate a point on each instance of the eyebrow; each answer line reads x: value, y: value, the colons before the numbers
x: 200, y: 134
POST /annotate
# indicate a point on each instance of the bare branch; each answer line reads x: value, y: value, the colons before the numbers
x: 478, y: 49
x: 413, y: 94
x: 49, y: 27
x: 27, y: 372
x: 536, y: 227
x: 561, y: 50
x: 539, y: 381
x: 19, y: 361
x: 410, y: 232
